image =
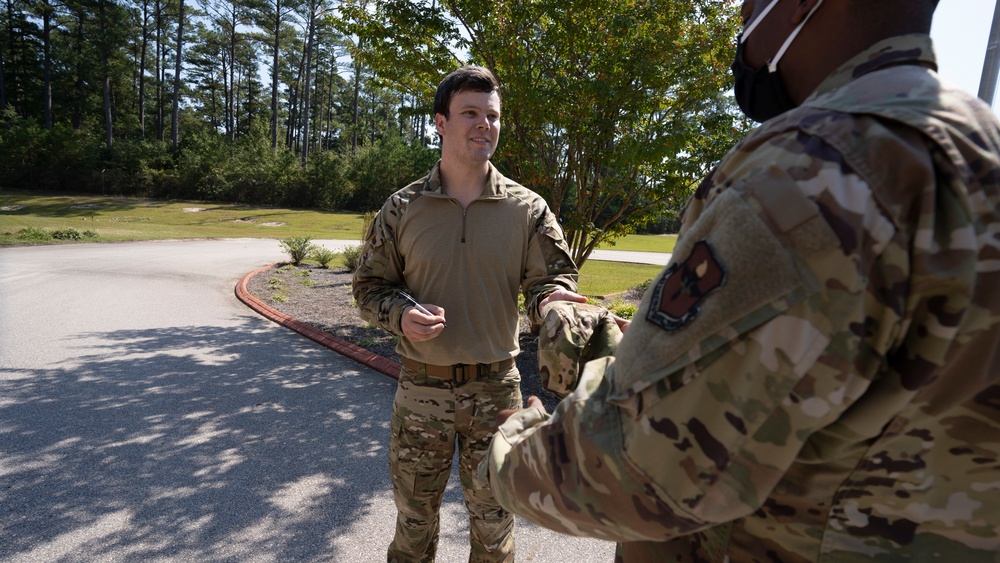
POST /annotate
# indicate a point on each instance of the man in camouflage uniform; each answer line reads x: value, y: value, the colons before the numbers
x: 464, y: 240
x: 815, y: 376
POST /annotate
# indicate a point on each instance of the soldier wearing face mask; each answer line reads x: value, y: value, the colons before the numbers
x: 815, y: 375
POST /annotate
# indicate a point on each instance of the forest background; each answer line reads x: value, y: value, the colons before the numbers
x: 613, y: 110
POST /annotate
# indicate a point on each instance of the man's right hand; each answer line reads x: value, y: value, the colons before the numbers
x: 418, y: 326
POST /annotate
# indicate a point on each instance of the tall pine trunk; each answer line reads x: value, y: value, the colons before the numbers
x: 142, y: 68
x: 47, y: 50
x: 159, y: 70
x: 176, y: 111
x: 274, y: 75
x: 106, y: 68
x: 307, y: 88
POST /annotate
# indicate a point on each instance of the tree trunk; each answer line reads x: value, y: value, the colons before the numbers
x: 47, y: 50
x: 176, y: 110
x: 357, y: 91
x: 306, y: 89
x: 142, y: 68
x: 79, y: 82
x: 160, y: 75
x: 294, y: 109
x: 11, y: 39
x: 274, y: 75
x: 3, y: 85
x: 106, y: 67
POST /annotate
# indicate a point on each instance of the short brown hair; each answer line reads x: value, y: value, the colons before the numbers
x: 471, y: 77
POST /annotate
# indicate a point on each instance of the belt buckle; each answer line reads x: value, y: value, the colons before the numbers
x: 483, y: 371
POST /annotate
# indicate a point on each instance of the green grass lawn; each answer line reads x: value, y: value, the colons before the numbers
x: 642, y: 243
x: 114, y: 219
x: 119, y: 219
x: 599, y: 278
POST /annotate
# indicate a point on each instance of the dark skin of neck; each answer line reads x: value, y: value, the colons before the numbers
x: 837, y: 31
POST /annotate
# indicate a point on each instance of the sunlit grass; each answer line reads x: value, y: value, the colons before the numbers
x: 599, y: 278
x: 642, y: 243
x: 116, y: 219
x: 121, y: 219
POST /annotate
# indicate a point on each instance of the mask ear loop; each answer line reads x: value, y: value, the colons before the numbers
x: 772, y: 65
x: 760, y: 18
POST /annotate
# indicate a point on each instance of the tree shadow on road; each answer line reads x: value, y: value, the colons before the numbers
x: 199, y: 443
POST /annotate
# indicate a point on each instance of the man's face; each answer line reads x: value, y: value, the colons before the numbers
x: 472, y: 130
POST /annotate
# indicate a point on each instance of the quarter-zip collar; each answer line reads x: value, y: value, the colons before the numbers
x: 495, y: 188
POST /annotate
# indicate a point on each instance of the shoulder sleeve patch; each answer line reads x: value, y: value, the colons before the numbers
x: 745, y: 260
x: 678, y: 296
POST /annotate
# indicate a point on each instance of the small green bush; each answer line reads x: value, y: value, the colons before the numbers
x: 323, y: 256
x: 352, y: 257
x: 298, y: 248
x: 90, y: 234
x: 638, y: 291
x: 619, y: 307
x: 67, y: 234
x: 31, y: 233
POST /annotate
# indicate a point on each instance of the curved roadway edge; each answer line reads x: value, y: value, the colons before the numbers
x: 356, y: 353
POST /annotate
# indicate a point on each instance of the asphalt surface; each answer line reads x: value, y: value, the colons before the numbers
x: 147, y: 415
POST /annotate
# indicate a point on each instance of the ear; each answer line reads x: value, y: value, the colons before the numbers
x: 439, y: 120
x: 803, y: 10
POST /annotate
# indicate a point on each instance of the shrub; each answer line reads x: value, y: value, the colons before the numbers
x: 379, y: 169
x: 638, y: 291
x: 367, y: 218
x: 326, y: 183
x: 352, y: 256
x: 298, y: 248
x: 619, y: 307
x: 67, y: 234
x: 323, y: 256
x: 31, y: 233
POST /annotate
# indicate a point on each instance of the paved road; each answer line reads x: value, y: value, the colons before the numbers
x: 146, y: 414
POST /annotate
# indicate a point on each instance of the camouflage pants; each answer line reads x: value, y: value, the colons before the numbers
x: 428, y: 417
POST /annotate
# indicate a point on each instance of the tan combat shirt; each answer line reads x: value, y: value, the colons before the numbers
x: 472, y: 262
x: 815, y: 376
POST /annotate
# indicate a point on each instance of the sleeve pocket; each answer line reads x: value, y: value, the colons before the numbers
x: 741, y: 263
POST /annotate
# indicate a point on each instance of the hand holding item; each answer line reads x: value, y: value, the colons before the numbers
x: 561, y: 295
x: 533, y: 403
x: 421, y: 322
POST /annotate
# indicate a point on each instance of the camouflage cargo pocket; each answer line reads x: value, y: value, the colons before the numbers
x: 420, y: 456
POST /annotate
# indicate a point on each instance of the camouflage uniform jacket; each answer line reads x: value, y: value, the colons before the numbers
x: 815, y: 376
x: 469, y: 261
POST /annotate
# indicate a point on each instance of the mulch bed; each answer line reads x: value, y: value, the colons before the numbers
x: 322, y: 298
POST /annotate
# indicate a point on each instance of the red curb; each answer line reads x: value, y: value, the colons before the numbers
x: 356, y: 353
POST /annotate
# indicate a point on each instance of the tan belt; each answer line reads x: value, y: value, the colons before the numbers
x: 459, y: 373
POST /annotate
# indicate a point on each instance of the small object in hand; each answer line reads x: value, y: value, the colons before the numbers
x: 418, y: 306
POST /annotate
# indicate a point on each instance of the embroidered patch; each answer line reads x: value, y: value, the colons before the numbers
x: 679, y: 294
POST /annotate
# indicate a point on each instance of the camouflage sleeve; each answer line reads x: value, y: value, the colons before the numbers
x: 549, y: 265
x: 571, y: 335
x: 379, y: 274
x: 760, y: 332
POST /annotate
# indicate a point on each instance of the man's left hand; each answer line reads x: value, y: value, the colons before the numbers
x: 533, y: 403
x: 561, y: 295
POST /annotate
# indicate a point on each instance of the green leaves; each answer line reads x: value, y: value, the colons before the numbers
x: 606, y: 103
